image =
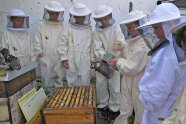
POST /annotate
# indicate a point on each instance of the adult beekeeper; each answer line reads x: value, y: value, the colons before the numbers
x: 108, y: 38
x: 75, y: 49
x: 17, y: 39
x: 161, y: 83
x: 178, y: 115
x: 46, y: 42
x: 132, y: 66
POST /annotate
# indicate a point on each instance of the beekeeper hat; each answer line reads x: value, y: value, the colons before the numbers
x: 79, y: 9
x: 17, y: 12
x: 54, y: 6
x: 134, y: 16
x: 177, y: 28
x: 163, y: 13
x: 102, y: 11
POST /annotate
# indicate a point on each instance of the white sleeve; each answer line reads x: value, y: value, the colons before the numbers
x: 32, y: 53
x: 92, y: 55
x: 38, y: 41
x: 63, y: 44
x: 4, y: 41
x: 119, y: 36
x: 99, y: 49
x: 135, y: 62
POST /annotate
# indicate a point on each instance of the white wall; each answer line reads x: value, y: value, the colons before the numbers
x: 34, y: 8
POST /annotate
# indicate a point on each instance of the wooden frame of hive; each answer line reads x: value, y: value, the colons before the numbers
x: 71, y: 105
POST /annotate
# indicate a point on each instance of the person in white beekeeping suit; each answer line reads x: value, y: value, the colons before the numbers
x: 108, y: 38
x: 178, y: 115
x: 162, y: 80
x: 46, y: 43
x: 17, y: 38
x: 75, y: 46
x: 132, y: 66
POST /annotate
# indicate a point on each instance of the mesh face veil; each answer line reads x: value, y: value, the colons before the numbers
x: 53, y: 12
x: 74, y: 21
x: 17, y: 20
x: 79, y: 16
x: 99, y: 25
x: 46, y: 15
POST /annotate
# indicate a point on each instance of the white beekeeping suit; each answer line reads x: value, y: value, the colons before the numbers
x: 132, y: 66
x: 17, y: 39
x: 46, y: 43
x: 75, y: 47
x: 108, y: 90
x: 162, y: 81
x: 178, y: 115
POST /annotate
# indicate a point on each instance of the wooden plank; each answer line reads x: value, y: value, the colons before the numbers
x: 90, y: 97
x: 57, y: 97
x: 82, y: 97
x: 60, y: 97
x: 65, y: 97
x: 31, y: 106
x: 18, y: 83
x: 4, y: 109
x: 86, y: 96
x: 69, y: 97
x: 78, y: 98
x: 73, y: 97
x: 16, y: 113
x: 94, y: 97
x: 72, y: 111
x: 2, y: 90
x: 4, y: 122
x: 53, y: 97
x: 71, y: 119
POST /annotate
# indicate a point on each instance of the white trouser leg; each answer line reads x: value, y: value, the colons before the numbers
x: 84, y: 79
x: 126, y: 106
x: 138, y: 107
x: 114, y: 90
x: 58, y: 74
x: 102, y: 90
x: 46, y: 72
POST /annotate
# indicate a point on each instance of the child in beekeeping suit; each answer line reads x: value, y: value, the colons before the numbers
x: 46, y: 44
x: 75, y: 49
x: 132, y: 66
x: 107, y: 38
x: 17, y: 38
x: 178, y: 115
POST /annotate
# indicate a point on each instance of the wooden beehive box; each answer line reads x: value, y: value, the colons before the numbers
x: 71, y: 105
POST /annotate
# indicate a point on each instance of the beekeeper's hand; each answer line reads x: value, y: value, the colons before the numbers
x: 65, y: 64
x: 116, y: 46
x: 41, y: 55
x: 113, y: 61
x: 91, y: 64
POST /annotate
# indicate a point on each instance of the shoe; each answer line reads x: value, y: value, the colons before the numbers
x: 104, y: 112
x: 113, y: 115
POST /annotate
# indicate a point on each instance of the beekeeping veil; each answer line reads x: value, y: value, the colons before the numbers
x: 17, y: 13
x: 100, y: 12
x: 134, y: 16
x: 79, y: 10
x: 53, y: 6
x: 168, y: 15
x: 179, y: 39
